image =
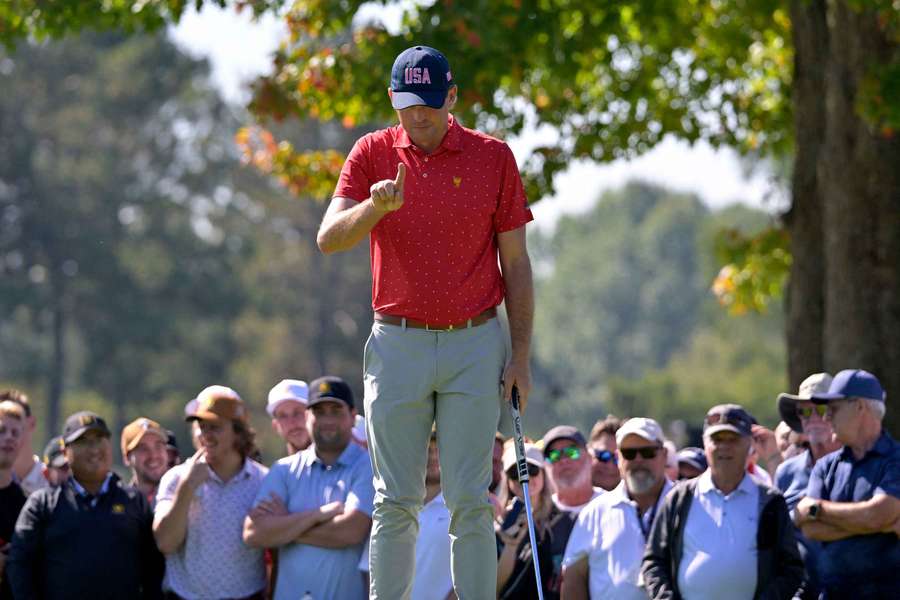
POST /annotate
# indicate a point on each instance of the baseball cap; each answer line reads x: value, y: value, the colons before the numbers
x: 53, y: 453
x: 852, y: 383
x: 693, y: 456
x: 562, y: 432
x: 80, y: 423
x: 817, y: 383
x: 330, y: 389
x: 648, y: 429
x: 217, y: 403
x: 135, y: 431
x: 728, y: 417
x: 171, y: 440
x: 285, y: 391
x: 420, y: 76
x: 532, y: 456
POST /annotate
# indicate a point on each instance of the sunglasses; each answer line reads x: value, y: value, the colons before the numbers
x: 572, y: 452
x: 513, y: 474
x: 605, y: 456
x: 806, y: 412
x: 647, y: 452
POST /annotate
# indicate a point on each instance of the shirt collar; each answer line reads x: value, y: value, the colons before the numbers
x: 346, y: 458
x: 619, y: 494
x: 884, y: 446
x: 81, y: 491
x: 244, y: 473
x: 452, y: 141
x: 705, y: 484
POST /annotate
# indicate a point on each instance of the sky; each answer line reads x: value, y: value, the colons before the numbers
x: 239, y: 49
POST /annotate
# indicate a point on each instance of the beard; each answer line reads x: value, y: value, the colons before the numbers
x: 331, y: 442
x: 819, y: 434
x: 640, y: 481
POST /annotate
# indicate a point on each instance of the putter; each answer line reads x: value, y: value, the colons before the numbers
x: 522, y: 468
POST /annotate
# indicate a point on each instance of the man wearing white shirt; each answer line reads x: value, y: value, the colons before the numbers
x: 603, y: 557
x: 722, y: 535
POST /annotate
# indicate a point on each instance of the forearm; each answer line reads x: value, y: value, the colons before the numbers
x: 505, y: 566
x: 519, y: 305
x: 861, y: 518
x: 823, y: 532
x: 343, y: 229
x: 575, y: 581
x: 170, y: 528
x: 339, y: 532
x: 273, y: 531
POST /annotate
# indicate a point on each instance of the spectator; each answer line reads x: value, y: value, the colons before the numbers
x: 792, y: 476
x: 852, y: 502
x: 671, y: 460
x: 497, y: 464
x: 28, y: 470
x: 56, y: 467
x: 432, y: 579
x: 790, y: 442
x: 143, y: 446
x: 315, y: 506
x: 89, y: 538
x: 12, y: 499
x: 569, y: 468
x: 515, y: 569
x: 201, y: 505
x: 691, y: 462
x: 287, y: 407
x: 722, y: 535
x: 172, y: 451
x: 603, y: 557
x: 604, y: 466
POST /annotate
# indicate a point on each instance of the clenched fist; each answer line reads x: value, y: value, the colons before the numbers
x: 387, y: 194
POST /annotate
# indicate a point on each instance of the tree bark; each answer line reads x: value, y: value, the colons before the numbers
x: 859, y: 178
x: 805, y: 298
x: 56, y: 376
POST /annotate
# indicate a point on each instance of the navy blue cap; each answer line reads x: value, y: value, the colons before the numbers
x: 330, y: 389
x: 728, y: 417
x: 420, y: 75
x: 852, y: 383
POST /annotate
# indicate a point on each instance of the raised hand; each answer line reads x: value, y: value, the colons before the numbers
x: 387, y: 194
x: 198, y: 472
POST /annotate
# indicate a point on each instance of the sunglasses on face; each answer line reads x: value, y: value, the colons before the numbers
x: 513, y: 474
x: 605, y: 456
x: 647, y: 452
x: 572, y: 452
x: 806, y: 412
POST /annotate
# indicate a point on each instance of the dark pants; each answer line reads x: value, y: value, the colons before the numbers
x: 257, y: 596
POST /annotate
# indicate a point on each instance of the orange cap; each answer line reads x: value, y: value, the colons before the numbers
x: 135, y: 431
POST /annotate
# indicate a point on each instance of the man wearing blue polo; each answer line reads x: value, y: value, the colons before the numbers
x: 853, y: 498
x: 315, y: 506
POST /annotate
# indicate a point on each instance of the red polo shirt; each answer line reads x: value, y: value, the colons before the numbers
x: 435, y: 258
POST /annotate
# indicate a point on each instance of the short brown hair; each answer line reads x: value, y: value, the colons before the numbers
x: 246, y: 438
x: 17, y: 396
x: 8, y: 408
x: 608, y: 426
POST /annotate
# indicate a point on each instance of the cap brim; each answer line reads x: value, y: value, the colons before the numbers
x: 692, y: 462
x: 401, y: 100
x: 787, y: 410
x: 272, y: 406
x: 717, y: 428
x: 820, y: 398
x: 83, y: 430
x: 58, y: 461
x: 322, y: 399
x: 205, y: 416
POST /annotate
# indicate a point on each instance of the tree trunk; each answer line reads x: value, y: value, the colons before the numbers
x: 805, y: 299
x: 859, y: 177
x: 57, y: 373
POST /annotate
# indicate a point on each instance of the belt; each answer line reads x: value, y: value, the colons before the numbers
x: 479, y: 319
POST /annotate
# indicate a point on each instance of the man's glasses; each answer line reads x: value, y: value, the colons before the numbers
x: 806, y: 412
x: 605, y: 456
x: 513, y: 474
x: 572, y: 452
x: 647, y: 452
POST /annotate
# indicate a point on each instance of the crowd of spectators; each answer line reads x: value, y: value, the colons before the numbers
x: 809, y: 509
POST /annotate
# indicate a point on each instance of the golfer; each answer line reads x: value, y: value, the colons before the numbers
x: 441, y: 203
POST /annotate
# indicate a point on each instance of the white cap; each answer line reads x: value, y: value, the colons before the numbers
x: 642, y: 426
x: 287, y: 390
x: 532, y: 455
x: 359, y: 429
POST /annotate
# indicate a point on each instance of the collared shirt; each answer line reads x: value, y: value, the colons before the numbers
x: 304, y: 482
x: 866, y: 563
x: 575, y: 510
x: 719, y: 553
x: 433, y: 580
x: 34, y: 479
x: 792, y: 476
x: 435, y: 259
x: 611, y: 535
x: 91, y: 499
x: 213, y: 561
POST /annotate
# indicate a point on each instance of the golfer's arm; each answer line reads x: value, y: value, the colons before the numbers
x: 516, y: 268
x: 575, y: 580
x: 345, y: 223
x: 870, y: 516
x: 346, y: 529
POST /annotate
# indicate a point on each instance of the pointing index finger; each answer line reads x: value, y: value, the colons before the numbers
x: 401, y: 176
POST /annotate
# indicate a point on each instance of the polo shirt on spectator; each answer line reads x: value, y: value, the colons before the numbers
x: 575, y: 510
x: 304, y: 482
x: 719, y: 548
x: 612, y: 537
x: 791, y: 478
x: 34, y: 479
x: 213, y: 561
x: 864, y: 566
x: 435, y: 258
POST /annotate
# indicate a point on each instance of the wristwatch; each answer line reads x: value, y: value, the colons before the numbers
x: 814, y: 510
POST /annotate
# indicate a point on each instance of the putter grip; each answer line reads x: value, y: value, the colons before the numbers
x: 521, y: 464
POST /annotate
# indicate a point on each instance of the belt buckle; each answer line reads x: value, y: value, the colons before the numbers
x: 429, y: 328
